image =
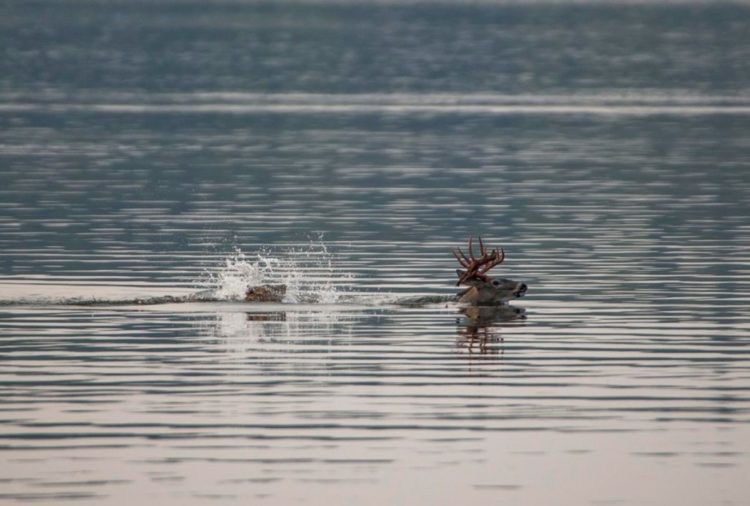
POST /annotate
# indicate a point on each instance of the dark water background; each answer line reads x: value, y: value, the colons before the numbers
x: 159, y: 148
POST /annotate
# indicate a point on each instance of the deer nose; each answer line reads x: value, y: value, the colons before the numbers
x: 521, y: 291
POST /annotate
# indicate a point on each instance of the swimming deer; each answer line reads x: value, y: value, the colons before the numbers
x: 482, y: 289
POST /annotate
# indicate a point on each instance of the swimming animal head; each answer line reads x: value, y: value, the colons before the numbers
x: 483, y: 290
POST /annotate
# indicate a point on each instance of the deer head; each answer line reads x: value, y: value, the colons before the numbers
x: 482, y: 289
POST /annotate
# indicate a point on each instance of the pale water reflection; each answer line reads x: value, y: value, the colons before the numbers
x: 156, y: 158
x: 177, y: 404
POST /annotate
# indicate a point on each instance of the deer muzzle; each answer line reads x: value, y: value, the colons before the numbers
x: 520, y: 290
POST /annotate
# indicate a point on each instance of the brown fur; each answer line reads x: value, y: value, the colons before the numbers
x: 492, y: 292
x: 265, y: 293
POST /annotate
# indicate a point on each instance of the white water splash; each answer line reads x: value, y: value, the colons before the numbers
x: 308, y: 273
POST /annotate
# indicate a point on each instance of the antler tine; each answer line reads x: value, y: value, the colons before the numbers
x: 477, y: 268
x: 461, y: 257
x: 494, y: 259
x: 467, y: 275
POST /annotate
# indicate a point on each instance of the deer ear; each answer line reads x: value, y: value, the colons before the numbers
x: 459, y: 272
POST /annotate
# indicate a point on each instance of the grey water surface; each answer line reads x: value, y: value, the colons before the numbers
x: 150, y: 151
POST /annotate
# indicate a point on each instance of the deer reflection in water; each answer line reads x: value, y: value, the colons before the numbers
x: 479, y: 326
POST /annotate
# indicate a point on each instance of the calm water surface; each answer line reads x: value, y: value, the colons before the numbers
x: 161, y: 149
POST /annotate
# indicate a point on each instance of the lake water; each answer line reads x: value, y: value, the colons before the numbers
x: 152, y: 150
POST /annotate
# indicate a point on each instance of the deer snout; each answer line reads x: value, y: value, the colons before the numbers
x: 520, y: 290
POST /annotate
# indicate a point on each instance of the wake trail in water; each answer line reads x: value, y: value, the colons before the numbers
x: 309, y: 274
x: 96, y: 301
x: 209, y: 297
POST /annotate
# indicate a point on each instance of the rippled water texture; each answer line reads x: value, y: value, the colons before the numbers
x: 157, y: 157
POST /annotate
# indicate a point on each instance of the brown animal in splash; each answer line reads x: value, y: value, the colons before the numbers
x: 265, y: 293
x: 483, y: 290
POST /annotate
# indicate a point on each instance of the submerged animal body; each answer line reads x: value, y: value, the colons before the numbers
x: 483, y: 290
x: 265, y: 293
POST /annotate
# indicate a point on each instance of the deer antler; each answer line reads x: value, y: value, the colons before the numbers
x: 477, y: 268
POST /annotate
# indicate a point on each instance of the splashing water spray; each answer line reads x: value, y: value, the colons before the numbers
x: 308, y: 274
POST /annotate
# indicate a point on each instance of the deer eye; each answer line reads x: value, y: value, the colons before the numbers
x: 496, y: 283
